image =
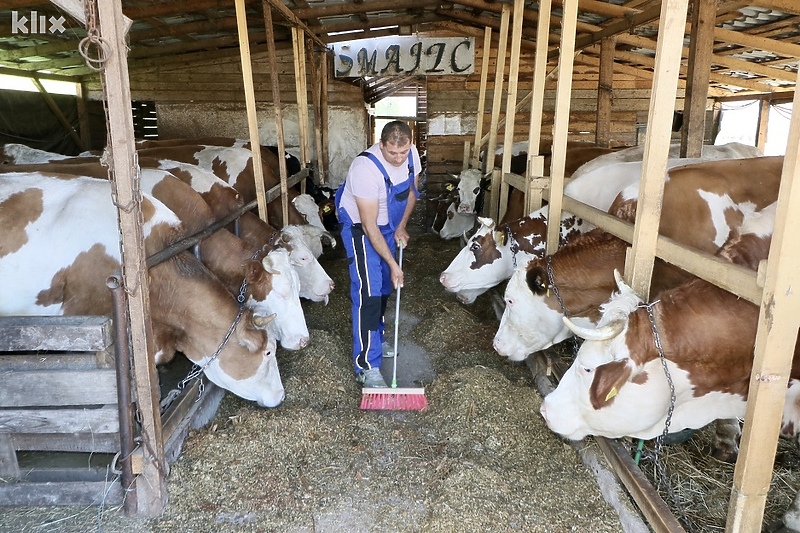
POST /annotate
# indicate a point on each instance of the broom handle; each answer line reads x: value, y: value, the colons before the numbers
x: 397, y: 317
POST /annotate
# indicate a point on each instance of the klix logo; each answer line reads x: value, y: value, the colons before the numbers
x: 36, y: 23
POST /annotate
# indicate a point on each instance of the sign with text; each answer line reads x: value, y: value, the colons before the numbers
x: 405, y: 56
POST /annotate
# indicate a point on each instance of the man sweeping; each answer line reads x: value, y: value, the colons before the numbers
x: 373, y: 206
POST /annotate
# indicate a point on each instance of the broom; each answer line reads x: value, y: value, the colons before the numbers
x: 394, y: 399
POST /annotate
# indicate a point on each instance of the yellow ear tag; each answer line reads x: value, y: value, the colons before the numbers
x: 548, y: 292
x: 326, y: 209
x: 611, y: 393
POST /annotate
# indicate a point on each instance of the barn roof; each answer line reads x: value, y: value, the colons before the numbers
x: 756, y: 44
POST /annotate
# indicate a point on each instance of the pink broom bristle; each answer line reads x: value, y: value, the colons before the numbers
x: 388, y: 400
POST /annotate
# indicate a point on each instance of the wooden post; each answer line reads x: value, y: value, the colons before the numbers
x: 83, y: 116
x: 276, y: 100
x: 561, y: 120
x: 250, y: 102
x: 775, y: 341
x: 701, y: 45
x: 659, y: 124
x: 58, y: 113
x: 323, y: 150
x: 605, y: 92
x: 763, y: 123
x: 487, y: 46
x: 535, y: 164
x: 301, y: 86
x: 151, y: 483
x: 317, y: 73
x: 511, y: 103
x: 497, y: 98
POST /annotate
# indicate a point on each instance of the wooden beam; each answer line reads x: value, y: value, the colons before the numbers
x: 558, y: 158
x: 59, y: 114
x: 250, y: 102
x: 534, y: 167
x: 487, y: 46
x: 511, y: 104
x: 497, y: 99
x: 701, y: 46
x: 151, y: 484
x: 276, y: 102
x: 354, y: 8
x: 605, y: 92
x: 295, y: 20
x: 659, y: 124
x: 301, y: 88
x: 755, y: 42
x: 405, y: 20
x: 763, y: 123
x: 778, y: 323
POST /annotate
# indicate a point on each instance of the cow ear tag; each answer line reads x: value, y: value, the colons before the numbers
x: 326, y: 209
x: 611, y: 393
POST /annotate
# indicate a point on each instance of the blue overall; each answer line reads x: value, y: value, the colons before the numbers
x: 370, y: 277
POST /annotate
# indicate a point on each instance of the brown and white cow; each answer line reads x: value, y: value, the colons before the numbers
x: 708, y: 340
x: 59, y: 245
x: 304, y: 244
x: 272, y: 285
x: 703, y: 203
x: 491, y: 254
x: 234, y: 165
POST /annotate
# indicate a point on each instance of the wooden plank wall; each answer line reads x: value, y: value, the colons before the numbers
x: 220, y: 81
x: 452, y: 110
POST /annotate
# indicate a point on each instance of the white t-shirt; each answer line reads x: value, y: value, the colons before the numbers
x: 365, y: 180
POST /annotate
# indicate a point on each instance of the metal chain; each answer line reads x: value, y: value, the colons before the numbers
x: 95, y: 61
x: 551, y: 284
x: 662, y: 477
x: 197, y: 370
x: 660, y: 349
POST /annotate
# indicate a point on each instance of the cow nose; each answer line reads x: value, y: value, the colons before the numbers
x: 303, y: 342
x: 443, y: 279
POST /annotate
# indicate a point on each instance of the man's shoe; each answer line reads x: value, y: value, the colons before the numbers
x: 388, y: 352
x: 372, y: 379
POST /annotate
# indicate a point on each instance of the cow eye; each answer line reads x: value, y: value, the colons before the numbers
x: 476, y: 190
x: 587, y: 370
x: 474, y: 247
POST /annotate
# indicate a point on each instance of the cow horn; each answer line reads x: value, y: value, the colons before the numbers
x: 621, y: 285
x: 610, y: 330
x: 261, y: 321
x: 488, y: 222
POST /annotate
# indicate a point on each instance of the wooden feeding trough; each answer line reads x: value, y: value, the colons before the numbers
x: 65, y: 424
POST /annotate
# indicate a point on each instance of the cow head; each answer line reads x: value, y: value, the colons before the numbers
x: 620, y: 386
x: 582, y: 273
x: 455, y: 223
x: 315, y: 284
x: 283, y: 301
x: 307, y: 206
x: 246, y: 364
x: 469, y: 187
x: 485, y: 261
x: 602, y: 392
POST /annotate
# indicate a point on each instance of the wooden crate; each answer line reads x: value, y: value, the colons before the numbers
x: 58, y: 393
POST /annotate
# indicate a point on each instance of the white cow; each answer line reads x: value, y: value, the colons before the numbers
x: 456, y: 224
x: 469, y: 186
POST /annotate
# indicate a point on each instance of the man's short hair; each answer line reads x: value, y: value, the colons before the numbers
x: 396, y: 132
